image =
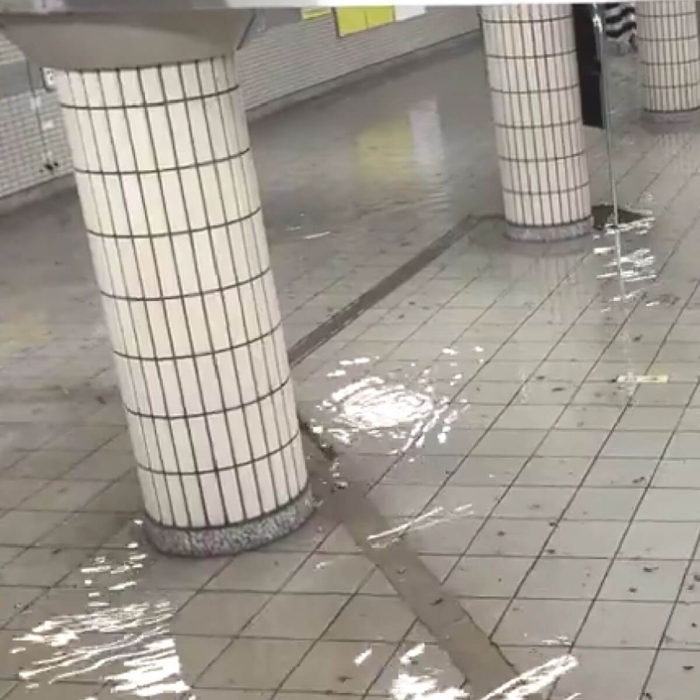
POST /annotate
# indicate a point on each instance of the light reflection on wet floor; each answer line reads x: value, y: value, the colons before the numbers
x: 129, y: 647
x: 413, y: 409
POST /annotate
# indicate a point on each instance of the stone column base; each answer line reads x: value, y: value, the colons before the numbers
x: 231, y: 539
x: 685, y: 117
x: 547, y: 234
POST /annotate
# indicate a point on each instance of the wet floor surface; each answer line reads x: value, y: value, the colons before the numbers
x: 517, y: 426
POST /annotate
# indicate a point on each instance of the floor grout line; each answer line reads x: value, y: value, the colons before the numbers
x: 339, y: 320
x: 469, y: 648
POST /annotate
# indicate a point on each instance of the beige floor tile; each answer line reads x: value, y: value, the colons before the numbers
x: 647, y: 580
x: 197, y: 653
x: 295, y: 616
x: 55, y: 691
x: 41, y: 566
x: 675, y: 675
x: 85, y: 530
x: 230, y: 694
x: 331, y: 667
x: 541, y: 622
x: 577, y: 579
x: 255, y: 664
x: 619, y: 673
x: 15, y: 491
x: 330, y: 573
x: 24, y: 527
x: 368, y: 617
x: 14, y: 598
x: 492, y: 577
x: 427, y: 662
x: 625, y: 624
x: 257, y: 571
x: 218, y: 613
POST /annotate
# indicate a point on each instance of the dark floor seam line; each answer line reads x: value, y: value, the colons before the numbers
x: 469, y: 648
x: 340, y: 319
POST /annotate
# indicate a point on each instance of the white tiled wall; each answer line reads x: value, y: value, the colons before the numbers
x: 33, y: 147
x: 278, y: 63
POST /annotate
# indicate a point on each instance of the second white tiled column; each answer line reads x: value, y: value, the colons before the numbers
x: 669, y: 56
x: 170, y: 201
x: 532, y: 71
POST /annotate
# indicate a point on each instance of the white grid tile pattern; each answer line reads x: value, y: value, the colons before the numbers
x: 533, y: 78
x: 669, y: 56
x: 170, y: 201
x: 9, y: 53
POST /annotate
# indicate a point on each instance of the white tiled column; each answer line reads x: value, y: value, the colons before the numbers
x: 170, y: 201
x: 669, y: 56
x: 533, y: 77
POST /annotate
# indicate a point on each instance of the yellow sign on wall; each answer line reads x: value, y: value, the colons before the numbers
x: 350, y: 20
x: 315, y: 12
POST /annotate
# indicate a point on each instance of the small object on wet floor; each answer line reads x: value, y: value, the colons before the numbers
x: 339, y: 485
x: 642, y: 379
x: 688, y: 668
x: 411, y: 656
x: 363, y: 656
x: 663, y: 300
x: 603, y: 212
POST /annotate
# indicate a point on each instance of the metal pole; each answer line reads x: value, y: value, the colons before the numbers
x: 599, y: 24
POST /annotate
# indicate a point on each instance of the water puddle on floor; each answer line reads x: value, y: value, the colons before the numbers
x: 117, y: 640
x: 378, y: 408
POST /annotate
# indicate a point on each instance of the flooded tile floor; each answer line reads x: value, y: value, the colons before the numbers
x: 499, y: 503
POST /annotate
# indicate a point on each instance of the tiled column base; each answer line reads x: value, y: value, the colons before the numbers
x: 233, y: 538
x: 669, y: 56
x: 170, y: 201
x: 533, y: 77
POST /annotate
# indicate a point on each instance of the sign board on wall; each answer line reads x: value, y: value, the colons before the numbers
x: 351, y: 20
x: 315, y: 12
